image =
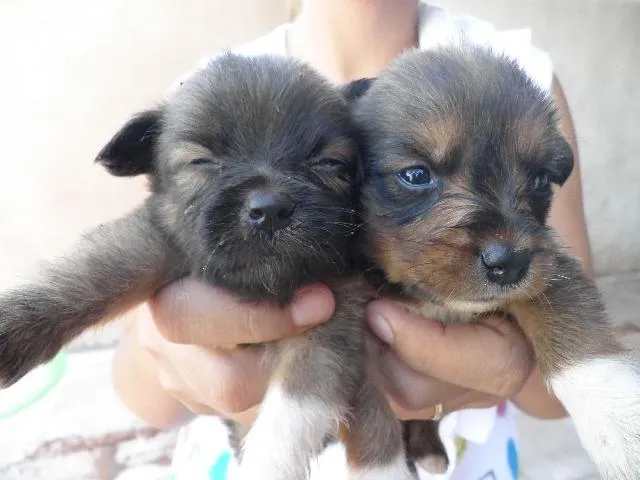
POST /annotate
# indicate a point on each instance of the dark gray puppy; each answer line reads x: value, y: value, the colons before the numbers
x: 254, y: 175
x: 462, y: 149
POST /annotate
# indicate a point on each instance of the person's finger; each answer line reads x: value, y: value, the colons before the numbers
x: 470, y: 399
x: 227, y: 381
x: 230, y: 382
x: 490, y: 355
x: 173, y: 386
x: 411, y: 390
x: 413, y: 395
x: 195, y: 408
x: 191, y: 312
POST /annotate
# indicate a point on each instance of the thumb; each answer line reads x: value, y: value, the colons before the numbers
x: 191, y: 312
x: 490, y: 355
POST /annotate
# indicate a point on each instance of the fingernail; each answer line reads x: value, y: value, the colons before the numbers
x: 309, y: 307
x: 381, y: 328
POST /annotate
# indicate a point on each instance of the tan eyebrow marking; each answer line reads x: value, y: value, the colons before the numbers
x: 184, y: 152
x: 438, y: 135
x: 341, y: 147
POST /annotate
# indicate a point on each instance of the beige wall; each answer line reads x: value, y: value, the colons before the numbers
x: 595, y: 45
x: 73, y: 70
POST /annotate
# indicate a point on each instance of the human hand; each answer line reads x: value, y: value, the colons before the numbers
x: 192, y: 329
x: 422, y: 362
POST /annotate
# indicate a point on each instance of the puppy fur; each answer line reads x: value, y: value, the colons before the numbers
x: 254, y: 175
x: 461, y: 151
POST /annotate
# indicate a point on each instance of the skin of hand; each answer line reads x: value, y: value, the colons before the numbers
x: 178, y: 358
x: 422, y: 362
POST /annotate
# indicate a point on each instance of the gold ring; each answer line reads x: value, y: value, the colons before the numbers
x: 437, y: 414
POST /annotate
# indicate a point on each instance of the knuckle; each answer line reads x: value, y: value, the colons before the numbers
x: 232, y: 396
x: 168, y: 310
x: 423, y: 363
x: 169, y: 330
x: 149, y: 336
x: 230, y: 393
x: 404, y: 414
x: 413, y: 397
x: 413, y: 404
x: 509, y: 385
x: 199, y: 409
x: 514, y: 373
x: 170, y: 384
x: 260, y: 327
x: 255, y: 326
x: 413, y: 400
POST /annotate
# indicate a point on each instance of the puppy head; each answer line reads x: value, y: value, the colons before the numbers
x: 461, y: 150
x: 253, y: 172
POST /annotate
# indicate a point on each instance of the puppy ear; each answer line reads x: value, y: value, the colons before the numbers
x: 562, y: 163
x: 130, y: 151
x: 354, y: 90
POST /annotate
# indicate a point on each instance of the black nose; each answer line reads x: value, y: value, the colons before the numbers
x: 269, y: 211
x: 504, y: 265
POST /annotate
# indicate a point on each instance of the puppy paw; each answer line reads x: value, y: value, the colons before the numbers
x: 602, y: 396
x: 15, y: 362
x: 397, y: 469
x: 288, y: 433
x: 25, y: 339
x: 424, y: 446
x: 434, y: 463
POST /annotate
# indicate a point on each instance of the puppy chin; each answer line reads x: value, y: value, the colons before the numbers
x: 257, y: 275
x: 526, y: 287
x: 472, y: 306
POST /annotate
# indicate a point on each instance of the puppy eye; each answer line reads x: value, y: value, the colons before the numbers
x: 202, y: 161
x: 416, y: 176
x: 330, y: 163
x: 541, y: 182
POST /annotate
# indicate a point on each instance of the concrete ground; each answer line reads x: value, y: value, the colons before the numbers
x: 80, y: 431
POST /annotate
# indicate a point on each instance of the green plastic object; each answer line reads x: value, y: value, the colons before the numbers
x: 32, y: 387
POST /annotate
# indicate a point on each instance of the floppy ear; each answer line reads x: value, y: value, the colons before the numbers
x: 562, y: 163
x: 354, y: 90
x: 130, y: 151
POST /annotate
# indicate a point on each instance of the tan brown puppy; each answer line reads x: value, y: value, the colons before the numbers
x: 462, y: 149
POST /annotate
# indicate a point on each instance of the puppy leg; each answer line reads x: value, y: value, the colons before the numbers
x: 237, y: 432
x: 316, y: 378
x: 373, y: 440
x: 110, y: 269
x: 307, y: 399
x: 587, y: 369
x: 424, y: 446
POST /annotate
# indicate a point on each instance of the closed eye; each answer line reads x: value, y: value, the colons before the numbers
x: 331, y: 167
x: 203, y: 161
x: 331, y: 163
